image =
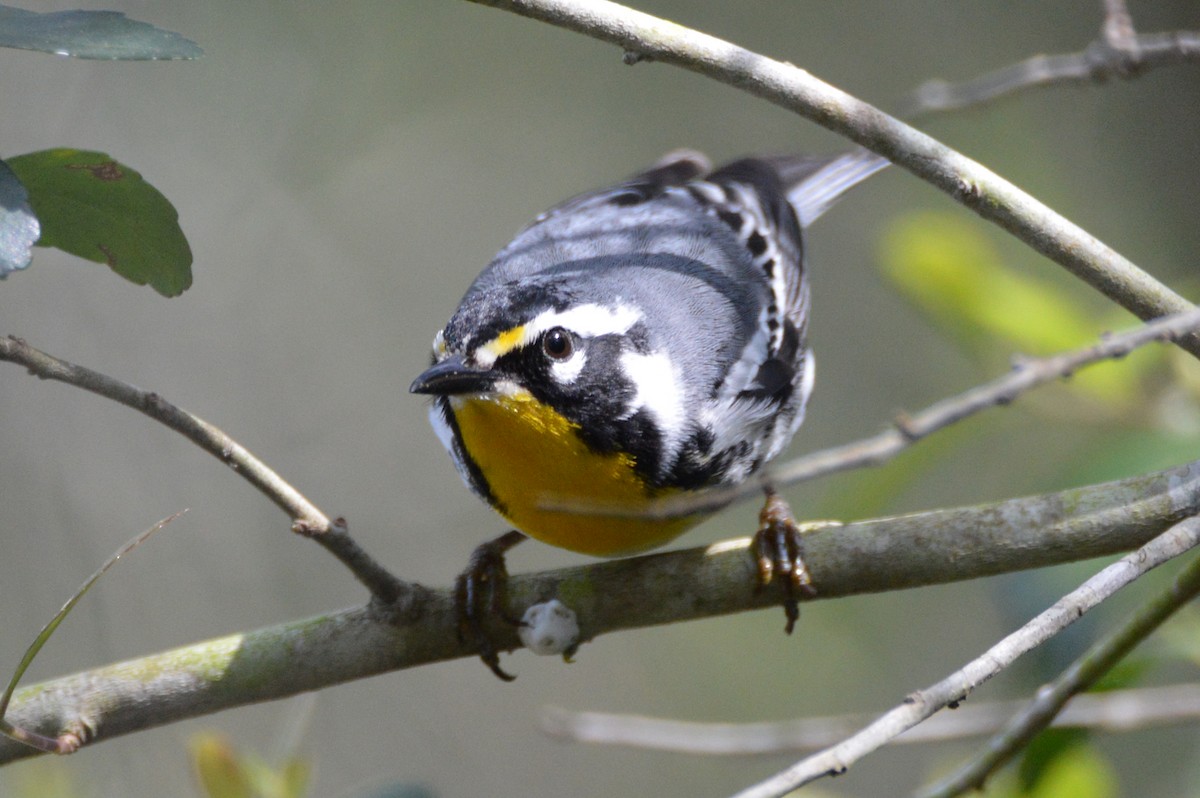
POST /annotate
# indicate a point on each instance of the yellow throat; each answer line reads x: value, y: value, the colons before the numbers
x: 531, y: 455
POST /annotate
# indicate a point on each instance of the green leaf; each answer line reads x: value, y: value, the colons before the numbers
x: 294, y: 776
x: 1127, y: 673
x: 99, y: 209
x: 219, y: 767
x: 1043, y: 751
x: 1179, y: 638
x: 105, y: 35
x: 1078, y: 772
x: 19, y: 228
x: 949, y: 269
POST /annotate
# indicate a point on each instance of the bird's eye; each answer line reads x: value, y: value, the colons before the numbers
x: 558, y: 345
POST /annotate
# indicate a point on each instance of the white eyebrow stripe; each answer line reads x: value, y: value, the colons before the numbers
x: 587, y: 320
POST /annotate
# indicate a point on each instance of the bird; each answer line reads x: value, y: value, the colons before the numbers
x: 633, y: 343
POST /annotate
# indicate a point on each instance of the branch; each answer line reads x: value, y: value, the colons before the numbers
x: 872, y: 556
x: 307, y: 519
x: 647, y: 38
x: 1116, y: 710
x: 1080, y: 676
x: 954, y: 688
x: 882, y: 555
x: 1026, y: 374
x: 1104, y: 59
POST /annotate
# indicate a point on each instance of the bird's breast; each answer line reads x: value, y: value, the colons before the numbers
x: 535, y: 463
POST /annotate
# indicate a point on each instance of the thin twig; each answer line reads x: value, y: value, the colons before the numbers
x: 1117, y: 710
x: 643, y: 37
x: 1081, y: 675
x: 1120, y: 53
x: 1098, y: 63
x: 670, y: 587
x: 1026, y: 374
x: 954, y: 688
x: 307, y: 519
x: 68, y: 740
x: 1118, y: 30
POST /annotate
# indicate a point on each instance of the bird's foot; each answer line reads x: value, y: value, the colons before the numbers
x: 481, y: 595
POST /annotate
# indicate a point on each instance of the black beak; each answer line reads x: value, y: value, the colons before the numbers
x: 453, y: 376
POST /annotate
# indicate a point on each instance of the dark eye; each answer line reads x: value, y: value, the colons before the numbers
x: 557, y: 344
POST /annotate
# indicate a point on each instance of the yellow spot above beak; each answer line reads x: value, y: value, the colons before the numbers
x: 502, y: 344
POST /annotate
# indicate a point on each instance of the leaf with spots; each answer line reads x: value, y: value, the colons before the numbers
x: 18, y: 226
x: 94, y: 207
x: 106, y: 35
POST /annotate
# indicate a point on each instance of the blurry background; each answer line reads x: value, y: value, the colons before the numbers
x: 342, y: 172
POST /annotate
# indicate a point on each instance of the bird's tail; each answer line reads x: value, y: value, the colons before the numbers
x: 815, y: 183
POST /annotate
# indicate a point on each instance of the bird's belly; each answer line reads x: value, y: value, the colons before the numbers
x: 532, y: 457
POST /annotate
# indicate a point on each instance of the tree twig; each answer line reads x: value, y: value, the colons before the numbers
x: 1117, y: 30
x: 1119, y: 53
x: 646, y: 38
x: 1117, y: 710
x: 1081, y: 675
x: 307, y: 519
x: 835, y: 760
x: 873, y: 556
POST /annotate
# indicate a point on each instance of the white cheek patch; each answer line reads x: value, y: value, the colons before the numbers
x: 658, y: 391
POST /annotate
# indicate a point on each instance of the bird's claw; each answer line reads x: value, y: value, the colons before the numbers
x: 481, y: 595
x: 779, y: 551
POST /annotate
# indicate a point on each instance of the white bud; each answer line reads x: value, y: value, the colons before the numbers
x: 549, y: 628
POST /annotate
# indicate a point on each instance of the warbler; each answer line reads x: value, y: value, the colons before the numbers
x: 634, y: 343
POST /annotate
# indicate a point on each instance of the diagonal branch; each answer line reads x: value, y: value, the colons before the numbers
x: 1080, y: 676
x: 647, y: 38
x: 871, y: 556
x: 918, y: 706
x: 307, y: 519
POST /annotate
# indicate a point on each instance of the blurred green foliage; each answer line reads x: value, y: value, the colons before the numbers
x: 223, y: 771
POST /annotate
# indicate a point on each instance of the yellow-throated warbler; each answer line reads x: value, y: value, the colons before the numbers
x: 632, y: 343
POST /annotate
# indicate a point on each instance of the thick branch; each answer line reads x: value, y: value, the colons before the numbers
x: 887, y: 554
x: 644, y: 37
